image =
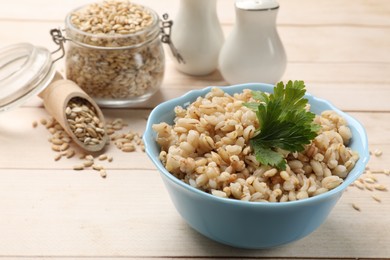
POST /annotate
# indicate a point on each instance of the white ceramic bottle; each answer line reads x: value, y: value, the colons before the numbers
x: 253, y: 52
x: 198, y: 37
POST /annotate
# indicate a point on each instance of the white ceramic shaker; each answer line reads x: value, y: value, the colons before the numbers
x: 253, y: 52
x: 198, y: 37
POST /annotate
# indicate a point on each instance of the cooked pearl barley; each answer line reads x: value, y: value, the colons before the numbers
x: 331, y: 182
x: 345, y: 133
x: 340, y: 171
x: 208, y: 148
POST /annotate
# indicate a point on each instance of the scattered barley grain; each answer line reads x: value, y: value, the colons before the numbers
x: 376, y: 198
x: 103, y: 173
x: 78, y: 167
x: 102, y: 157
x: 377, y: 152
x: 355, y: 207
x: 88, y: 163
x: 57, y: 157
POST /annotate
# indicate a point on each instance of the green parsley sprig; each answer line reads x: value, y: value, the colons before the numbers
x: 284, y: 123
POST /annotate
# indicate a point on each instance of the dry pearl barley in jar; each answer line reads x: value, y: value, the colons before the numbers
x: 114, y: 52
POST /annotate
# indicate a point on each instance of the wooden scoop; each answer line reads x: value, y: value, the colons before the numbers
x: 56, y: 98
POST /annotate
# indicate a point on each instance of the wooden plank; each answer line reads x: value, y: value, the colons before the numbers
x: 320, y: 43
x: 28, y: 147
x: 342, y: 68
x: 336, y: 44
x: 296, y: 12
x: 340, y: 48
x: 367, y: 96
x: 334, y: 12
x: 59, y: 213
x: 23, y: 147
x: 359, y: 73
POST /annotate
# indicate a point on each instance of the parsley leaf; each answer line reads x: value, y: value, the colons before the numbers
x: 284, y: 123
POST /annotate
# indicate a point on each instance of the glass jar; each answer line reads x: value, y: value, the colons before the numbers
x: 115, y: 69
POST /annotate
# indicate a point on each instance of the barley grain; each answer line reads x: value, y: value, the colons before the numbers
x: 376, y: 198
x: 103, y: 173
x: 64, y: 146
x: 70, y: 153
x: 341, y: 171
x: 219, y: 193
x: 355, y: 207
x: 97, y: 167
x: 369, y: 180
x: 377, y: 152
x: 56, y: 148
x: 380, y: 187
x: 102, y: 157
x: 80, y: 122
x: 43, y: 121
x: 368, y: 187
x: 110, y: 131
x: 78, y: 167
x: 88, y: 163
x: 56, y: 141
x: 302, y: 195
x: 270, y: 173
x: 369, y: 174
x: 57, y: 157
x: 128, y: 148
x: 359, y: 185
x: 320, y: 191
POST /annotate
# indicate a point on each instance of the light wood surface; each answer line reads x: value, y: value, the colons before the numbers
x: 47, y: 210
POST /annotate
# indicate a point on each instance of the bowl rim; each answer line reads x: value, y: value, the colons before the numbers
x: 191, y: 95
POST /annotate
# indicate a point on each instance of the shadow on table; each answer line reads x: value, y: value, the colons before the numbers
x: 338, y: 244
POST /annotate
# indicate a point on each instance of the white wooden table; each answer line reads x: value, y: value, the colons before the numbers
x: 47, y: 210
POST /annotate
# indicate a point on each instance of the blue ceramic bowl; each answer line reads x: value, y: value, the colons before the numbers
x: 245, y: 224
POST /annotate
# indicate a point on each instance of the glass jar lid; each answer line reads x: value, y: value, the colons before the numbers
x: 25, y: 70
